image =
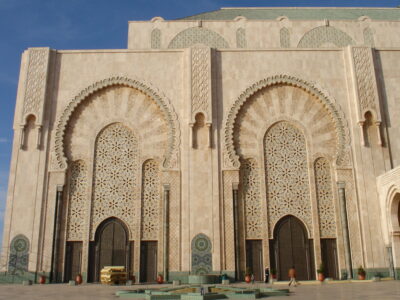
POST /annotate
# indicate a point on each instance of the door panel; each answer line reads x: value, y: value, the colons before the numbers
x: 148, y: 261
x: 329, y: 257
x: 292, y: 248
x: 254, y: 258
x: 110, y: 247
x: 73, y: 260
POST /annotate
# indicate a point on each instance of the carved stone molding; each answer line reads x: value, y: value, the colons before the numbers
x: 171, y: 158
x: 201, y: 81
x: 366, y: 83
x: 198, y: 35
x: 317, y: 37
x: 36, y: 81
x: 231, y: 159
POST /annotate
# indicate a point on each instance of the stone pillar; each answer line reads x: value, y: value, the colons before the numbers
x: 56, y: 234
x: 166, y: 230
x: 392, y: 271
x: 236, y: 230
x: 345, y: 228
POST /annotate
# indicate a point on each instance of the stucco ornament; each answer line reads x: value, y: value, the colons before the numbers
x: 171, y: 157
x: 231, y: 158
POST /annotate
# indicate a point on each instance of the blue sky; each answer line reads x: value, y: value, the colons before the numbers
x: 90, y: 24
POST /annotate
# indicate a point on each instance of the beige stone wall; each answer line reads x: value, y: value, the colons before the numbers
x: 265, y: 33
x: 156, y: 91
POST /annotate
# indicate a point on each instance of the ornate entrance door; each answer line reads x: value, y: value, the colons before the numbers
x: 112, y: 248
x: 292, y: 248
x: 148, y: 261
x: 254, y: 259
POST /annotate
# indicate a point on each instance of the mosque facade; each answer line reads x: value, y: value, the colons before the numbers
x: 220, y: 143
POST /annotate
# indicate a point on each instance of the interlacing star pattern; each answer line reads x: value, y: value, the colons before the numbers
x: 115, y: 173
x: 151, y: 200
x: 326, y: 209
x: 286, y: 170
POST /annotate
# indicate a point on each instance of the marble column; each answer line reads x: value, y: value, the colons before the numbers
x: 236, y: 230
x: 56, y: 234
x: 165, y: 230
x: 345, y: 228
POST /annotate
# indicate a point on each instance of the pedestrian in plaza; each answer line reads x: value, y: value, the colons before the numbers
x: 292, y: 276
x: 266, y: 273
x: 252, y: 278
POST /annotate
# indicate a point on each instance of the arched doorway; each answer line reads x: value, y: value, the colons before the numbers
x: 292, y: 248
x: 111, y: 246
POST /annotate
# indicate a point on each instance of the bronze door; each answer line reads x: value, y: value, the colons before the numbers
x: 112, y: 247
x: 254, y: 259
x: 148, y: 261
x: 73, y: 259
x: 329, y: 257
x: 292, y: 248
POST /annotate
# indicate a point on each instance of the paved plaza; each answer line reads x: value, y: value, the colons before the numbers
x: 384, y: 290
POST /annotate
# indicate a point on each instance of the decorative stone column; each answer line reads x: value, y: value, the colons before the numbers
x: 345, y: 228
x: 165, y: 230
x: 235, y: 188
x: 56, y: 234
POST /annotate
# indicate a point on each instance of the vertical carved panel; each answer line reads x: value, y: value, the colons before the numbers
x: 326, y: 209
x: 284, y: 37
x: 201, y: 81
x: 115, y: 176
x: 36, y: 82
x: 365, y: 76
x: 241, y: 38
x: 288, y: 190
x: 368, y: 37
x: 151, y: 217
x: 156, y: 38
x: 252, y: 199
x: 77, y: 215
x: 228, y: 178
x: 173, y: 179
x: 346, y: 176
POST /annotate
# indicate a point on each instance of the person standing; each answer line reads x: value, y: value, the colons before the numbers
x: 266, y: 274
x: 292, y: 276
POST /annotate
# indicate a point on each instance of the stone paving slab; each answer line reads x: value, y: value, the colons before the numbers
x: 384, y: 290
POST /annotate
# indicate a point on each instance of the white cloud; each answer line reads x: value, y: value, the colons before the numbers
x: 3, y: 140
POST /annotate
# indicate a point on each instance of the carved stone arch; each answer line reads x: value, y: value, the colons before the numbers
x: 198, y: 35
x: 275, y: 226
x: 115, y: 177
x: 155, y: 38
x: 231, y: 157
x: 171, y: 156
x: 317, y: 37
x: 287, y: 174
x: 393, y: 208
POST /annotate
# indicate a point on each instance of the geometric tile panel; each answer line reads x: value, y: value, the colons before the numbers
x: 151, y: 200
x: 19, y: 255
x: 252, y: 199
x: 77, y: 215
x: 115, y: 175
x: 326, y: 209
x: 288, y: 191
x: 201, y: 255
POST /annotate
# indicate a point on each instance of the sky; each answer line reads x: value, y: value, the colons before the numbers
x: 91, y: 24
